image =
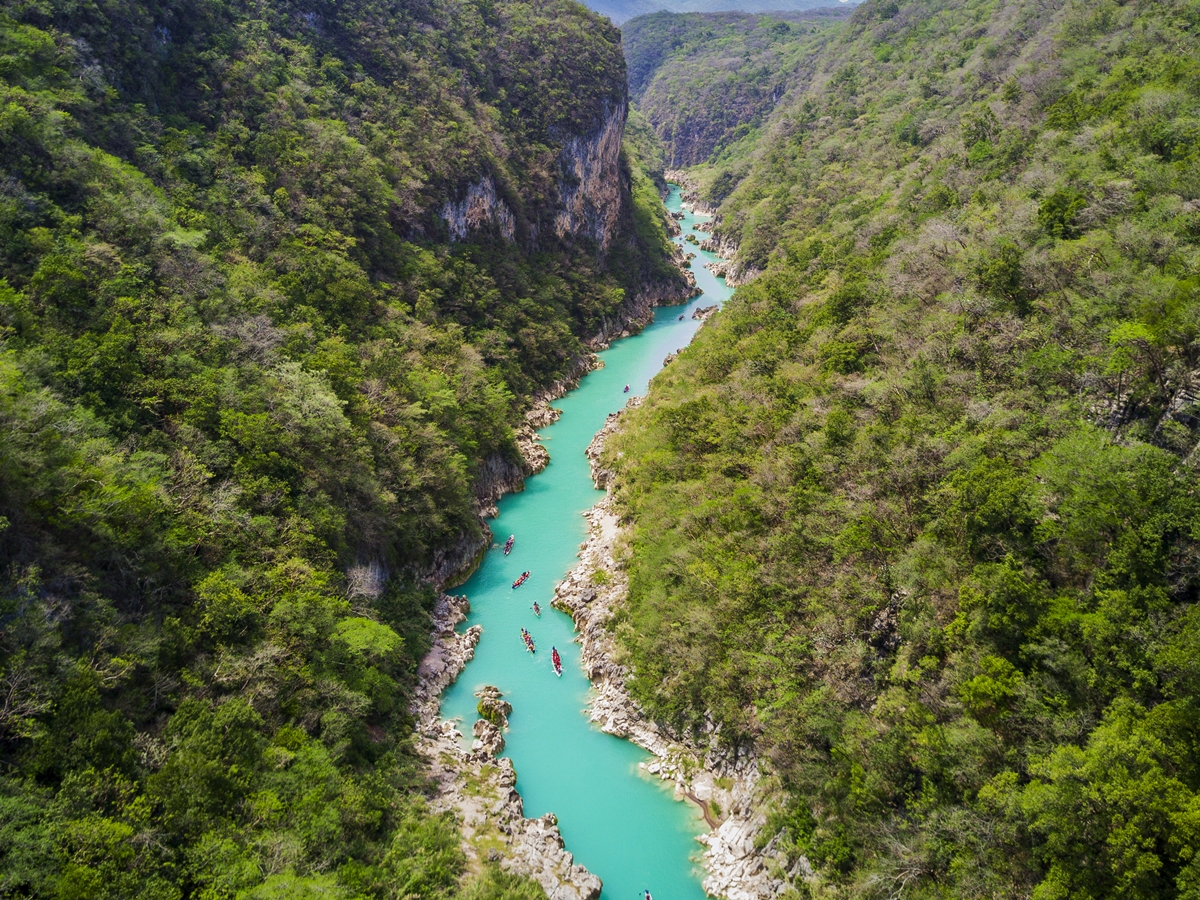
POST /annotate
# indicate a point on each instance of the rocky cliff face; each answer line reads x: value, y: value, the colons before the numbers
x: 592, y: 195
x: 480, y: 211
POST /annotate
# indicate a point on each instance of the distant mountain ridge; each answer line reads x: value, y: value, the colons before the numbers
x: 623, y: 10
x: 704, y: 80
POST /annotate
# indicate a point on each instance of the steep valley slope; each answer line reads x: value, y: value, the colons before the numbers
x: 277, y: 283
x: 706, y: 81
x: 914, y: 520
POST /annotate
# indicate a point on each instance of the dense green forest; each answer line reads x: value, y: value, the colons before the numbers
x: 706, y: 81
x: 917, y: 516
x: 247, y: 387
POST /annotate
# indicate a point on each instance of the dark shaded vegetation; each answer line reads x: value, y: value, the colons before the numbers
x: 917, y: 514
x: 246, y: 389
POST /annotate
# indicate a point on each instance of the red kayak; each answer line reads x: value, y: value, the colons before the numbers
x: 520, y: 581
x: 556, y: 660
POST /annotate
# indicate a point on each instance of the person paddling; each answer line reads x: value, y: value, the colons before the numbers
x: 648, y: 897
x: 627, y: 389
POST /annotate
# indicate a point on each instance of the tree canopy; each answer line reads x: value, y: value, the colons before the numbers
x: 915, y: 515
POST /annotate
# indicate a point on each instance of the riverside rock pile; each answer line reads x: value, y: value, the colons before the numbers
x: 488, y: 731
x: 476, y: 785
x: 726, y: 786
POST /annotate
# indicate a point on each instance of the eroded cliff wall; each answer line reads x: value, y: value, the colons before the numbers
x: 592, y: 195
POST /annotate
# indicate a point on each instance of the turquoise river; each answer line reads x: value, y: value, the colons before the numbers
x: 622, y: 824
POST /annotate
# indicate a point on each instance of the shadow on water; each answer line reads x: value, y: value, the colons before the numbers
x: 625, y: 828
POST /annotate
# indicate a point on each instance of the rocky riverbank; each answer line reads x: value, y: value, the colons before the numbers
x: 474, y: 784
x: 734, y: 273
x: 500, y: 475
x: 726, y: 786
x: 635, y: 314
x: 689, y: 191
x: 728, y: 267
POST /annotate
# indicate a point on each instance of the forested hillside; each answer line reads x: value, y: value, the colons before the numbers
x: 620, y: 11
x: 249, y: 388
x: 706, y: 81
x: 916, y: 516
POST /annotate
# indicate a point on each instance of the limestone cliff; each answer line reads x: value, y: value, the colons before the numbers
x: 589, y: 198
x: 593, y: 196
x: 481, y: 210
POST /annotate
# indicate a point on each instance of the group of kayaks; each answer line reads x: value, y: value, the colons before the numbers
x: 537, y: 611
x: 555, y: 659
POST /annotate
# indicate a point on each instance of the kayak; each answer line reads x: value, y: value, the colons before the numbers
x: 537, y: 610
x: 556, y: 660
x: 520, y: 581
x: 508, y: 545
x: 528, y: 639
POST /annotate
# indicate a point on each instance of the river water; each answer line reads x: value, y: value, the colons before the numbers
x: 622, y: 824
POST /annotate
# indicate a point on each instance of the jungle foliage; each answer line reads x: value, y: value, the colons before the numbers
x: 246, y: 389
x: 917, y: 515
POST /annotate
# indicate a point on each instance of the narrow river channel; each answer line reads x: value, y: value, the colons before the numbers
x: 620, y: 823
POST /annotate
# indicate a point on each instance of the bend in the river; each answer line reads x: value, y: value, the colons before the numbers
x: 621, y: 824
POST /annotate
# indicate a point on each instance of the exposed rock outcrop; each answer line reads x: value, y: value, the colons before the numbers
x: 476, y: 785
x: 725, y: 785
x: 735, y: 273
x: 481, y: 210
x: 488, y: 737
x: 492, y: 706
x: 591, y: 192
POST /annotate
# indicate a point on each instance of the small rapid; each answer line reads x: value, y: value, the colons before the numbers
x: 620, y: 823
